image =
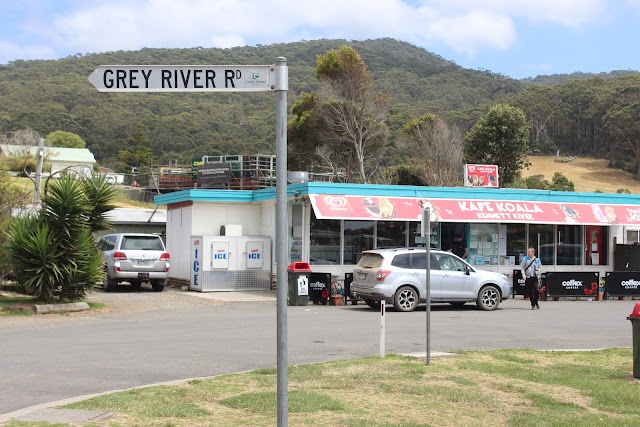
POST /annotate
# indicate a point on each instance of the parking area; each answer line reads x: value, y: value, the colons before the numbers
x: 148, y: 337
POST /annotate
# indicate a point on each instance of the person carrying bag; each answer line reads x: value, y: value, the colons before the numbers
x: 530, y: 267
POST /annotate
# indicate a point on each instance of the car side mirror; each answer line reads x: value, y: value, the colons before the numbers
x: 466, y: 270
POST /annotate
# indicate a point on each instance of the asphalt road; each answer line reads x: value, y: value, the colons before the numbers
x: 42, y: 362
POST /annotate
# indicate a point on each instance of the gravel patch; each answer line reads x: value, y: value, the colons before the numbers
x: 124, y: 302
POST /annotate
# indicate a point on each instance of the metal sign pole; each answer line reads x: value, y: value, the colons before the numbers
x: 426, y: 233
x: 282, y: 86
x: 228, y: 78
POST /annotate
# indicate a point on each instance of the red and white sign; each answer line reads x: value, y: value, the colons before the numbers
x: 328, y: 206
x: 480, y: 175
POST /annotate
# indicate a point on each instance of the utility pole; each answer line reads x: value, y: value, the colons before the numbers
x: 39, y: 162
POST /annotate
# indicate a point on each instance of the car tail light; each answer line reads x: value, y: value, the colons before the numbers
x: 119, y: 256
x: 382, y: 274
x: 165, y: 257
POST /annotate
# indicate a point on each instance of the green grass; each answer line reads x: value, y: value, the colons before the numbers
x: 20, y: 304
x: 121, y: 198
x: 518, y: 388
x: 96, y: 305
x: 14, y: 304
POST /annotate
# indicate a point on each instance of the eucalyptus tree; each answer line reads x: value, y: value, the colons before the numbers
x: 353, y: 113
x: 434, y: 150
x: 500, y: 137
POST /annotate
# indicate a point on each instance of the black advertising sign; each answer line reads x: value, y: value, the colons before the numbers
x: 213, y: 173
x: 572, y: 284
x: 622, y: 283
x: 519, y: 286
x: 319, y: 287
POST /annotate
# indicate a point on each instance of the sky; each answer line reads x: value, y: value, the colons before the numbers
x: 516, y: 38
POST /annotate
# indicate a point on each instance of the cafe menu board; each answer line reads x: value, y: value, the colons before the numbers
x: 481, y: 175
x: 483, y: 248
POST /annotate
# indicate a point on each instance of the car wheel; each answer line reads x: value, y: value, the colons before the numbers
x: 136, y: 285
x: 457, y: 304
x: 157, y: 286
x: 488, y: 298
x: 406, y: 299
x: 108, y: 283
x: 373, y: 304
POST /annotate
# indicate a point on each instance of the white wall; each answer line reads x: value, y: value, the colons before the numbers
x: 208, y: 217
x: 178, y: 240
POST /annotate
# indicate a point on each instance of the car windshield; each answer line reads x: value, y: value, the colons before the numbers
x: 142, y: 243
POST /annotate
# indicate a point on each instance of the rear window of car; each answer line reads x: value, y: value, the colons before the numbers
x: 142, y: 243
x: 370, y: 261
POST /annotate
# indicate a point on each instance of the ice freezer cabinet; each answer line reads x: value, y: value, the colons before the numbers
x: 230, y: 263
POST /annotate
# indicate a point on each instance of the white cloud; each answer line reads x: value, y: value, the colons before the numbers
x: 570, y: 13
x: 12, y: 51
x: 464, y: 25
x: 163, y: 23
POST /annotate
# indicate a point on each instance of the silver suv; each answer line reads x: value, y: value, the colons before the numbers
x: 134, y: 258
x: 398, y: 276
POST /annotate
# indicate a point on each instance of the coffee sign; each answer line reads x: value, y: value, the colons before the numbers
x: 622, y: 283
x: 572, y: 284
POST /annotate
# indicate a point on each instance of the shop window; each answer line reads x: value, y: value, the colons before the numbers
x: 513, y: 237
x: 358, y: 237
x: 569, y: 245
x: 541, y: 238
x: 324, y: 247
x: 415, y: 238
x: 391, y: 234
x: 295, y: 233
x: 596, y: 245
x: 633, y: 237
x: 483, y: 244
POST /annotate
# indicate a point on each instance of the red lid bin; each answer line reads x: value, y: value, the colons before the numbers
x: 635, y: 314
x: 299, y: 267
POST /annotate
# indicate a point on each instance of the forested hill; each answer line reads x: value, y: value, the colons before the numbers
x: 56, y: 95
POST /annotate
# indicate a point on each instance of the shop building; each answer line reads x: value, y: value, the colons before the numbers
x: 331, y: 224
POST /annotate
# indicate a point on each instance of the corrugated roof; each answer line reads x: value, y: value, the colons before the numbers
x: 53, y: 154
x: 137, y: 216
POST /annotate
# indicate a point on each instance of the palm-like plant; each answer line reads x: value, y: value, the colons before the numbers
x: 36, y: 256
x: 54, y: 252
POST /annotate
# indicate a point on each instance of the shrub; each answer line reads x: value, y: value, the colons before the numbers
x: 53, y: 252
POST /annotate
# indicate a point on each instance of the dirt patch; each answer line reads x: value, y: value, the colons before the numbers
x: 588, y: 175
x: 123, y: 303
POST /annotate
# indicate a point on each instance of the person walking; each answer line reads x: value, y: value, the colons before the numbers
x: 530, y: 267
x: 459, y: 246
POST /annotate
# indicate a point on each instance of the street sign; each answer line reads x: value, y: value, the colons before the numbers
x: 184, y: 78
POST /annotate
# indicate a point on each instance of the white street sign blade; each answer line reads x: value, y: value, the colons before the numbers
x: 184, y: 78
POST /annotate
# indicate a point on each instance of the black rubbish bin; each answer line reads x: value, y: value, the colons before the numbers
x: 299, y: 275
x: 635, y: 325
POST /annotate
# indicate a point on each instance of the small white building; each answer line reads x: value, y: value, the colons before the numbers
x: 81, y: 160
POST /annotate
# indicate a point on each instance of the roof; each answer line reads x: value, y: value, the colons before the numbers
x: 376, y: 190
x: 53, y: 154
x: 137, y: 216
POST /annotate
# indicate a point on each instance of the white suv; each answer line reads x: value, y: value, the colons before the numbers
x: 398, y: 276
x: 134, y: 258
